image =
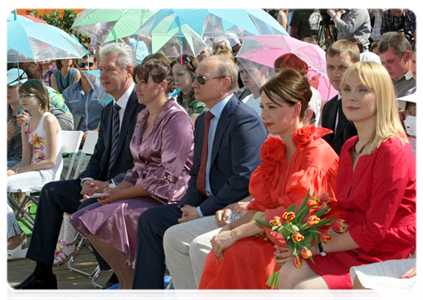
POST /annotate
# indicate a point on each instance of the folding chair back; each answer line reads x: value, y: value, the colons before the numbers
x: 71, y: 140
x: 88, y: 148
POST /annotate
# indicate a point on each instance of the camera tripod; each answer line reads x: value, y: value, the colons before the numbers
x: 326, y: 34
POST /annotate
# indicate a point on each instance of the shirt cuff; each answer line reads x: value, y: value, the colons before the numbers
x: 199, y: 212
x: 86, y: 178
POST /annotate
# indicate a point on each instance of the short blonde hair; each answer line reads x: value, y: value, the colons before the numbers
x: 388, y: 124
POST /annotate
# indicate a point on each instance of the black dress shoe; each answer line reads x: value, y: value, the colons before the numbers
x: 31, y: 283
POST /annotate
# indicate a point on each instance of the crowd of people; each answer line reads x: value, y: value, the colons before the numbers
x: 192, y: 151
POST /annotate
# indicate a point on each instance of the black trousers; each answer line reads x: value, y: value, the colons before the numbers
x: 56, y: 198
x: 150, y: 258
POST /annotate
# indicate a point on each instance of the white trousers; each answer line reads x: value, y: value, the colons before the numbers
x: 186, y: 247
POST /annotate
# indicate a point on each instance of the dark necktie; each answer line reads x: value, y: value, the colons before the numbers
x: 340, y: 116
x: 115, y: 136
x: 201, y: 178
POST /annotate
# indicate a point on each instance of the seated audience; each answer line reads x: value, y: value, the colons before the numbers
x: 15, y: 78
x: 294, y: 161
x: 227, y: 142
x: 162, y: 148
x: 221, y: 44
x: 376, y: 185
x: 46, y: 70
x: 65, y: 75
x: 82, y: 99
x: 395, y: 53
x: 41, y: 155
x: 183, y: 75
x: 293, y: 62
x: 339, y: 56
x: 109, y: 162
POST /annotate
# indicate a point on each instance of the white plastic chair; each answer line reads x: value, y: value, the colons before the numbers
x: 88, y: 148
x: 70, y: 144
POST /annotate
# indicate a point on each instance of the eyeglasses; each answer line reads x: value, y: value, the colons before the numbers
x: 26, y: 96
x: 203, y: 79
x: 82, y: 65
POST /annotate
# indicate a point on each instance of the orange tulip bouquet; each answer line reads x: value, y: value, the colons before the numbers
x: 299, y: 229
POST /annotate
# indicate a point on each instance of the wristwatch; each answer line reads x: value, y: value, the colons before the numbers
x: 321, y: 250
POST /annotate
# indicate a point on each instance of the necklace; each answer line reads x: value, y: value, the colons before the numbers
x: 357, y: 153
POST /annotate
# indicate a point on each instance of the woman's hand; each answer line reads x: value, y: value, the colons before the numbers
x: 410, y: 273
x: 115, y: 194
x: 222, y: 216
x: 10, y: 172
x: 220, y: 242
x: 282, y: 254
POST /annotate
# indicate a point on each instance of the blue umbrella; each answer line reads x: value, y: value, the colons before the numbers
x: 30, y: 41
x: 211, y: 23
x: 93, y: 78
x: 15, y: 17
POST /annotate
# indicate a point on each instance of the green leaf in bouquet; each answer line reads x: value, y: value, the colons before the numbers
x: 316, y: 240
x: 264, y: 223
x: 308, y: 239
x: 321, y: 212
x: 303, y: 210
x: 291, y: 208
x: 311, y: 259
x: 274, y: 228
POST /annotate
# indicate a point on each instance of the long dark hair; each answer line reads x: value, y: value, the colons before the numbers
x: 159, y: 71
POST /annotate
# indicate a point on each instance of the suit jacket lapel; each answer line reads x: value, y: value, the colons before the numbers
x: 223, y: 125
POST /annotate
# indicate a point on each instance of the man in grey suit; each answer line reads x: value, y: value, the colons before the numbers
x: 224, y: 159
x: 110, y: 161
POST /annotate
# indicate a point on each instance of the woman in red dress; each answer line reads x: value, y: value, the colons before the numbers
x: 375, y: 188
x: 293, y: 162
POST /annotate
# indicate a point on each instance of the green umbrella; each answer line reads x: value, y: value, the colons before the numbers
x: 108, y: 25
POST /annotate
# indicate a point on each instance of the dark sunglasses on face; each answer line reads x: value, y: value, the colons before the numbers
x: 82, y: 65
x: 203, y: 79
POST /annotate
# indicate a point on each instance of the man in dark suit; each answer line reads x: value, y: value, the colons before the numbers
x: 220, y: 173
x: 110, y: 161
x: 339, y: 56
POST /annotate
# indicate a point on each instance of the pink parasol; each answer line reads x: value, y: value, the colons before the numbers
x: 265, y: 49
x: 35, y: 19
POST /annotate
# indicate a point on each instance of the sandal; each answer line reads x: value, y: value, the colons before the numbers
x: 19, y: 251
x: 63, y: 252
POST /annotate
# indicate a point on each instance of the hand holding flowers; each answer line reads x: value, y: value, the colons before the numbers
x: 299, y: 229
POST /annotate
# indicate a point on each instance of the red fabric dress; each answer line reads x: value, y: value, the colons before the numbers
x: 378, y: 202
x: 249, y: 263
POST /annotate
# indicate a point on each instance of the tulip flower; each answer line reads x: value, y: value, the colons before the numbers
x: 297, y: 262
x: 276, y: 222
x: 313, y: 202
x: 288, y: 216
x: 325, y: 197
x: 313, y: 220
x: 306, y: 253
x: 297, y: 237
x: 338, y: 225
x: 325, y: 237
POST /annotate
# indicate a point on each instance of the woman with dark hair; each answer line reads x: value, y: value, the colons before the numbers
x: 65, y: 75
x: 162, y: 148
x: 41, y: 156
x: 294, y: 160
x: 183, y: 77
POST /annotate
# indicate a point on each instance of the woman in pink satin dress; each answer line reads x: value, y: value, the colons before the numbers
x: 162, y: 148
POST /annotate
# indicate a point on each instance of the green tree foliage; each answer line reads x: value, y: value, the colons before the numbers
x: 63, y: 22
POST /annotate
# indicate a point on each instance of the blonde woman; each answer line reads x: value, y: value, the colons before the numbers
x: 376, y: 188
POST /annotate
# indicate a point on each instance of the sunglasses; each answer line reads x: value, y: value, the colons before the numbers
x: 26, y: 96
x: 203, y: 79
x: 82, y: 65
